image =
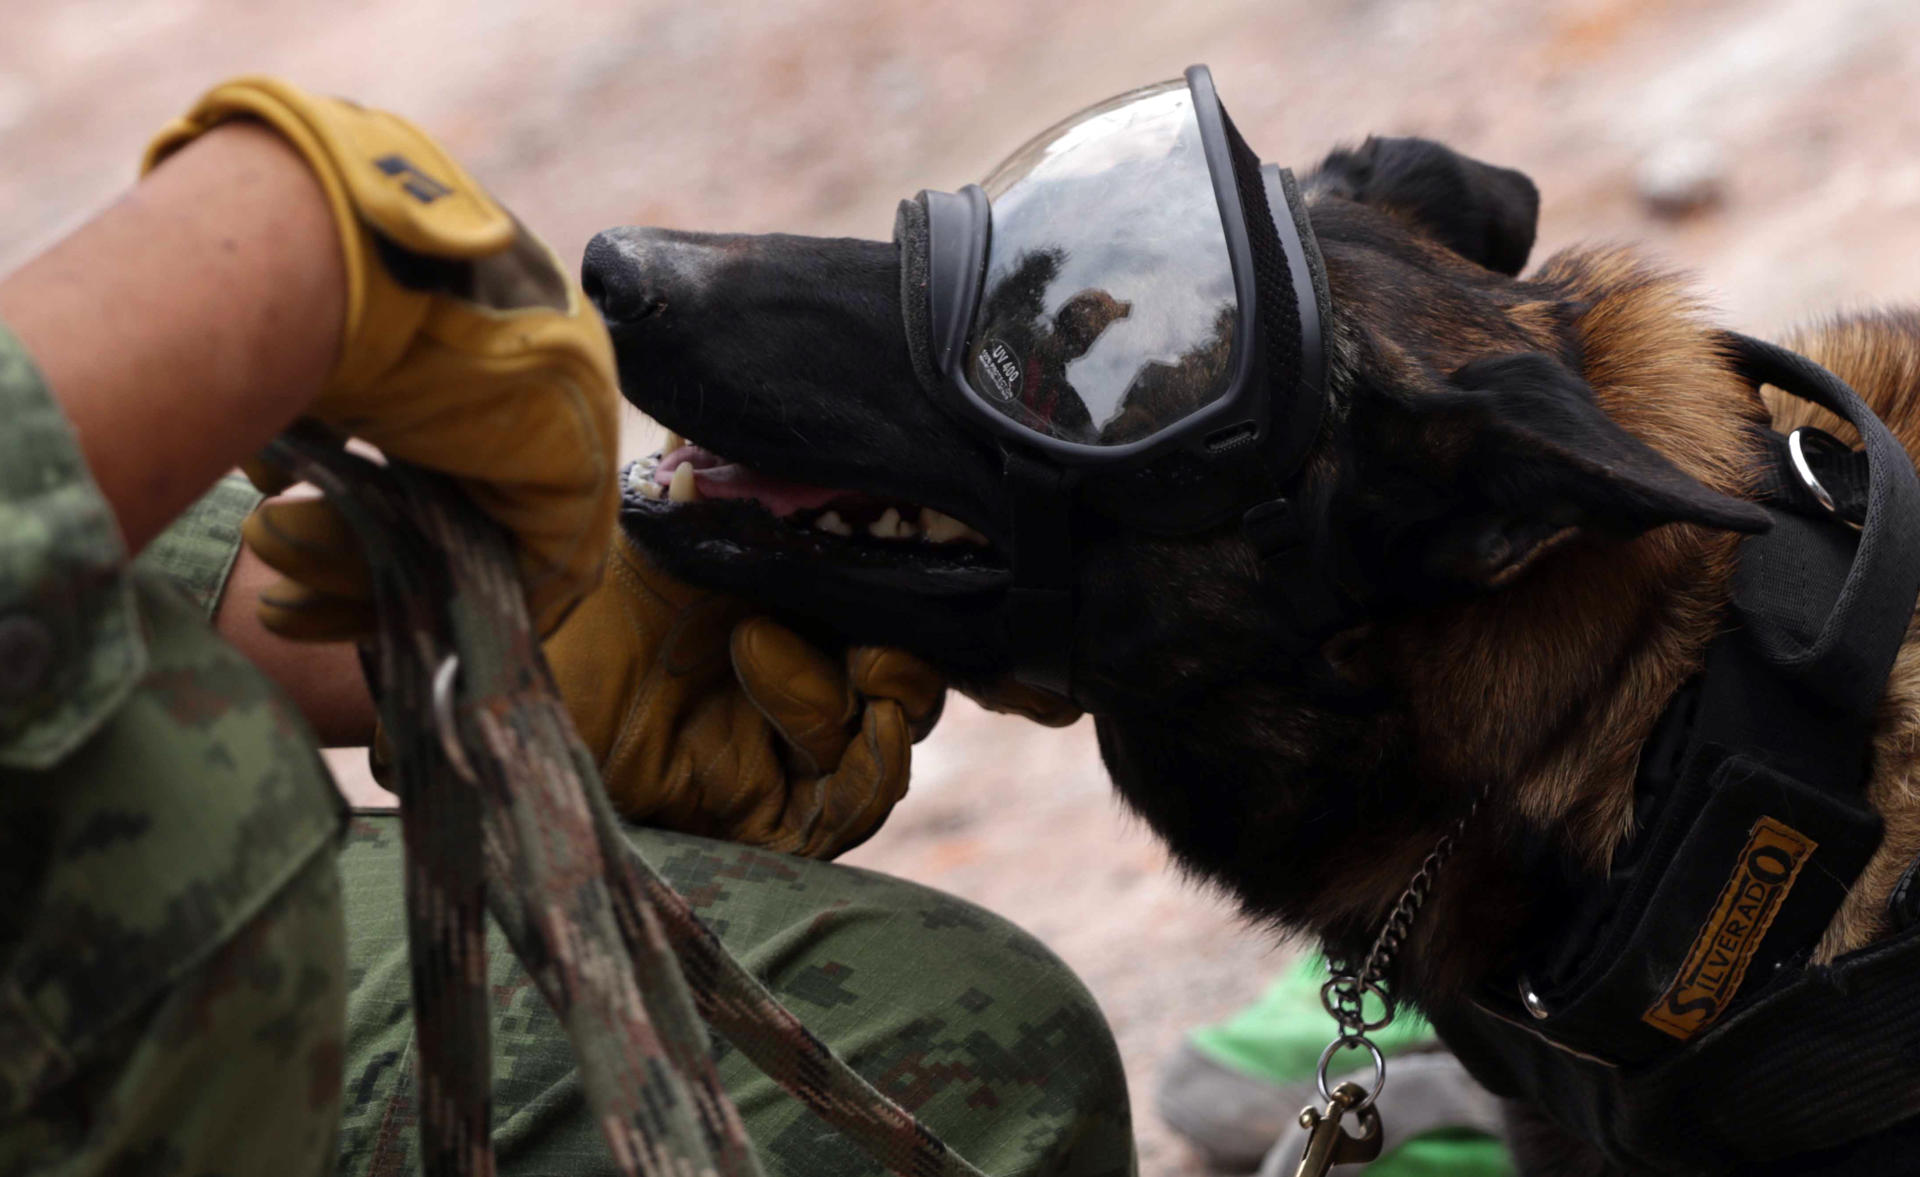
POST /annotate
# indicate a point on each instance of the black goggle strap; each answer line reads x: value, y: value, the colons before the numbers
x: 1039, y: 608
x: 1298, y: 411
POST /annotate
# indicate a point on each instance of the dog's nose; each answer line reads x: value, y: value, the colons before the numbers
x: 633, y: 274
x: 617, y: 281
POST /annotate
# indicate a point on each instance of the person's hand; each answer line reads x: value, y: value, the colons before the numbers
x: 711, y: 721
x: 468, y: 349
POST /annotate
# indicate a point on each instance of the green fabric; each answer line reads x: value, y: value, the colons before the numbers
x: 960, y: 1016
x: 196, y: 552
x: 171, y: 976
x: 1279, y: 1039
x: 70, y: 645
x: 1459, y: 1152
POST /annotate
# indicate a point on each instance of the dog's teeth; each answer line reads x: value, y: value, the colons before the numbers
x: 891, y: 526
x: 682, y: 489
x: 833, y: 524
x: 939, y: 527
x: 674, y: 442
x: 649, y: 489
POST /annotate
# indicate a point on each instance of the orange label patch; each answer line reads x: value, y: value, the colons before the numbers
x: 1718, y: 960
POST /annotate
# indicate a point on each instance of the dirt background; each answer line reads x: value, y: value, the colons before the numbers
x: 816, y: 116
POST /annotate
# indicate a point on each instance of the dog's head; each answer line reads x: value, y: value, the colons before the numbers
x: 1483, y: 479
x: 1462, y: 442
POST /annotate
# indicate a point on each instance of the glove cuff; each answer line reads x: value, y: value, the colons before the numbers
x: 382, y: 177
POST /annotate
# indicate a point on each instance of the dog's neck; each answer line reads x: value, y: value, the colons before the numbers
x: 1535, y: 698
x: 1549, y: 688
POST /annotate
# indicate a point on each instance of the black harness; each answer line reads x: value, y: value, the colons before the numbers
x: 1670, y: 1015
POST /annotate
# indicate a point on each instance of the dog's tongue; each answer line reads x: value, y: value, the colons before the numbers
x: 719, y: 478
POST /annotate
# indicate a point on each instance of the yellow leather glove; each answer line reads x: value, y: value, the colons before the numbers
x: 468, y: 349
x: 707, y: 720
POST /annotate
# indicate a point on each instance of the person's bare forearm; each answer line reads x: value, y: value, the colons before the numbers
x: 180, y: 330
x: 188, y: 323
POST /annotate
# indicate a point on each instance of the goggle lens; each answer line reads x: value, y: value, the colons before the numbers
x: 1108, y: 311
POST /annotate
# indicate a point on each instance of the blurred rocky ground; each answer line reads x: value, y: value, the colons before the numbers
x: 1771, y: 146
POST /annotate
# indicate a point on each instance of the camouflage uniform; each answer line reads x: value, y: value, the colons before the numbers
x: 179, y: 989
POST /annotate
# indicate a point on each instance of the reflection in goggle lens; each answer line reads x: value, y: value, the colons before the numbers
x: 1108, y: 311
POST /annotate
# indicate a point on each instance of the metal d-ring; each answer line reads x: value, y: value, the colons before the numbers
x: 1530, y: 997
x: 1796, y: 450
x: 1374, y: 1089
x: 444, y: 725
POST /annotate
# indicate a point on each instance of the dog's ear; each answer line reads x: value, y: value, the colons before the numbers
x: 1485, y: 214
x: 1541, y: 462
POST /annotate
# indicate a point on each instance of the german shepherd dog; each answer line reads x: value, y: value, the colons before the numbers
x: 1542, y: 480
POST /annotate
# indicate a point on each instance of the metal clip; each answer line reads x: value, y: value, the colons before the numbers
x: 1327, y: 1144
x: 444, y: 724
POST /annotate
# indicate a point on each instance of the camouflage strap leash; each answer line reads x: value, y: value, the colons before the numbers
x: 503, y: 812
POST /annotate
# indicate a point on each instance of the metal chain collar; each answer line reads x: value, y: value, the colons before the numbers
x: 1345, y: 992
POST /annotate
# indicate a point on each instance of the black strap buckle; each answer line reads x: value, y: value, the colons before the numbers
x: 1039, y: 606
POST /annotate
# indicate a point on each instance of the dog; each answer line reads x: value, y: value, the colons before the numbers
x: 1546, y: 477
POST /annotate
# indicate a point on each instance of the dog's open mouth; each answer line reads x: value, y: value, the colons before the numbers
x: 746, y: 506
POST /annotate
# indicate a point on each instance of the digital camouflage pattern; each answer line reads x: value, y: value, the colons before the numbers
x: 70, y: 645
x: 171, y: 998
x: 197, y: 551
x: 171, y: 974
x: 958, y: 1015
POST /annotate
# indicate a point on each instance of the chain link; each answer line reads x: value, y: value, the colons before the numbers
x: 1344, y: 996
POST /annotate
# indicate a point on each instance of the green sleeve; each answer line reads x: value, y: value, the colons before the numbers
x: 197, y: 551
x: 70, y: 642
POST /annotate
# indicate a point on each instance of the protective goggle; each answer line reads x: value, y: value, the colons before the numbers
x: 1131, y: 306
x: 1129, y: 281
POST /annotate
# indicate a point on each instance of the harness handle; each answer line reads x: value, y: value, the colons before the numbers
x: 1847, y: 661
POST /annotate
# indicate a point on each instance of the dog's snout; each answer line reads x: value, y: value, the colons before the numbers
x: 634, y: 274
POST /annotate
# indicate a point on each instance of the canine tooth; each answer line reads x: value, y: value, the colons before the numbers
x: 674, y: 441
x: 974, y: 537
x: 940, y: 527
x: 833, y: 524
x: 682, y: 489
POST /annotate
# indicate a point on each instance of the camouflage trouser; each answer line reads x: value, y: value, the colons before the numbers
x: 172, y: 986
x: 958, y: 1015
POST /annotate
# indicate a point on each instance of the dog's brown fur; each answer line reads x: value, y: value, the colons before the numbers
x: 1546, y: 689
x: 1589, y: 647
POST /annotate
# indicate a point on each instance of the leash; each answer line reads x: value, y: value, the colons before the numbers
x: 502, y: 812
